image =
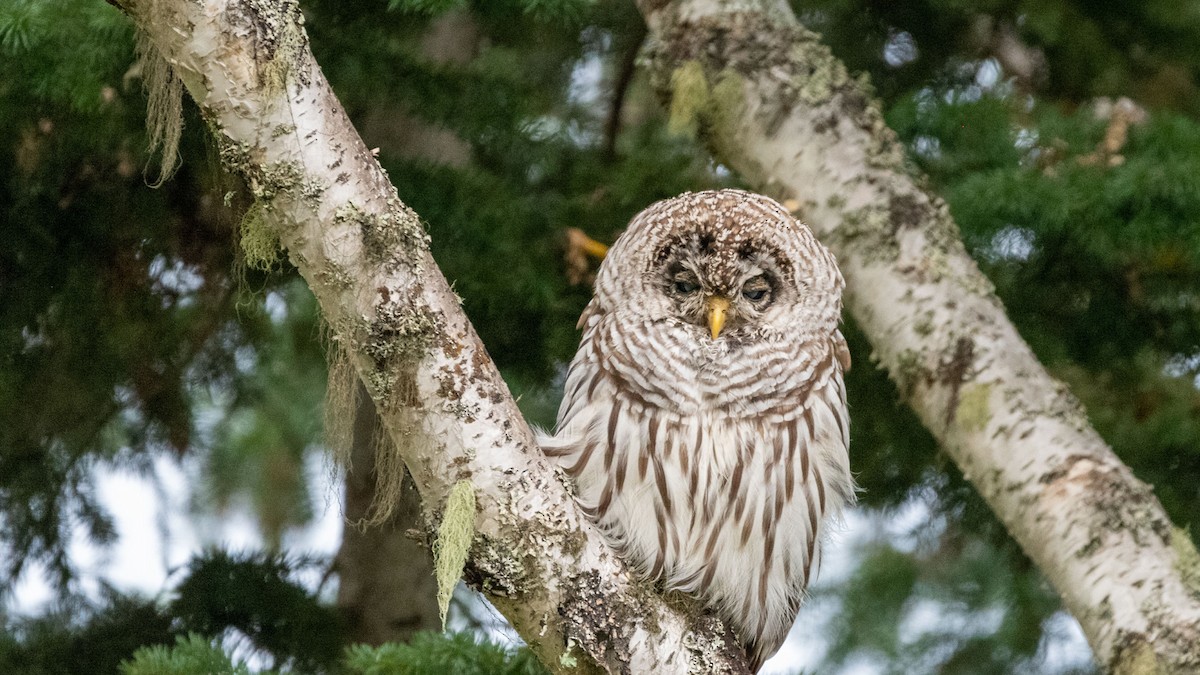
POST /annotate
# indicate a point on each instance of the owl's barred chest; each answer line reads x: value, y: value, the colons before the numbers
x: 672, y: 370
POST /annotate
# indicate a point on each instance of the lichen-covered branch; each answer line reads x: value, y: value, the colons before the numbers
x: 775, y: 105
x: 321, y: 194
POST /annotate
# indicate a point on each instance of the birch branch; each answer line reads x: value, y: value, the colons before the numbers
x: 776, y: 106
x: 365, y: 256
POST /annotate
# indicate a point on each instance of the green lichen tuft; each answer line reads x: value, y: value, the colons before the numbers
x: 281, y: 42
x: 689, y: 99
x: 453, y: 541
x: 873, y: 225
x: 260, y: 245
x: 974, y: 412
x: 826, y: 75
x: 275, y: 179
x: 908, y: 369
x: 259, y: 239
x: 1187, y: 560
x: 1137, y: 659
x: 394, y: 235
x: 698, y: 109
x: 884, y: 151
x: 725, y: 110
x: 566, y: 660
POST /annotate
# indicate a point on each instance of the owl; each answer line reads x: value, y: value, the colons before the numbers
x: 704, y: 417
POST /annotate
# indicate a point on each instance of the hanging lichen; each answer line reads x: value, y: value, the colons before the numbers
x: 724, y: 112
x: 689, y: 99
x: 260, y: 245
x: 281, y: 42
x: 453, y: 541
x: 711, y: 110
x: 341, y: 397
x: 164, y: 108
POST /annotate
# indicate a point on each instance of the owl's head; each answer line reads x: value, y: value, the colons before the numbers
x: 731, y: 263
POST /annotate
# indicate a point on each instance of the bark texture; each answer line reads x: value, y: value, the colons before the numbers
x: 365, y: 256
x: 776, y: 106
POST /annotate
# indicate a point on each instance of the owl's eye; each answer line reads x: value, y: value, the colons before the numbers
x: 756, y: 290
x: 684, y: 287
x: 681, y: 281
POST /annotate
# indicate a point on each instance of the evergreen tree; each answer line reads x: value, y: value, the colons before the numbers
x: 131, y: 331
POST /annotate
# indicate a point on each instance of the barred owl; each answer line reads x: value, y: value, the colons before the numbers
x: 704, y: 419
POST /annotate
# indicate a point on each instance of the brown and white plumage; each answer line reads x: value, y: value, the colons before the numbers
x: 710, y: 462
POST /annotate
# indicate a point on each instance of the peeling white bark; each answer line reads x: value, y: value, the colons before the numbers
x: 248, y: 66
x: 801, y: 129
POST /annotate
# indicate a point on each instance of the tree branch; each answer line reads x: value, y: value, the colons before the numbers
x: 365, y: 256
x: 775, y: 105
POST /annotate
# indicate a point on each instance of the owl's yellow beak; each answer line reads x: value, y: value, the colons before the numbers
x: 717, y: 306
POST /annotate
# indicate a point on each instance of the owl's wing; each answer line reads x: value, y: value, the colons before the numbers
x: 841, y: 350
x: 591, y: 312
x: 582, y: 377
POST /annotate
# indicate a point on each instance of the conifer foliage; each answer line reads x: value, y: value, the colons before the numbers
x: 132, y: 333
